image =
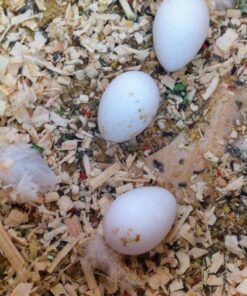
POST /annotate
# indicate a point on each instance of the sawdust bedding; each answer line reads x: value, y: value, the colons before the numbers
x: 56, y: 59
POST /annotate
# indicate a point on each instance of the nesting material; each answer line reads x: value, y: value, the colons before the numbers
x: 89, y: 43
x: 10, y: 251
x: 100, y: 256
x: 23, y: 169
x: 63, y: 253
x: 23, y: 289
x: 185, y: 156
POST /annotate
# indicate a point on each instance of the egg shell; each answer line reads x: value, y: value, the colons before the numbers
x: 128, y: 105
x: 180, y: 29
x: 139, y: 220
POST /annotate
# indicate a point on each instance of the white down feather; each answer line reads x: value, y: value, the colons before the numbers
x: 23, y: 169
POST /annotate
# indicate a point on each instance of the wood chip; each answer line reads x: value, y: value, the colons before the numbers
x: 16, y: 238
x: 233, y: 185
x: 232, y: 245
x: 130, y: 160
x: 51, y: 197
x: 242, y: 288
x: 62, y: 254
x: 16, y: 218
x: 91, y: 282
x: 104, y: 176
x: 161, y: 278
x: 184, y: 262
x: 58, y: 290
x: 23, y: 289
x: 179, y: 223
x: 16, y: 5
x: 168, y: 81
x: 65, y: 204
x: 69, y: 145
x: 74, y: 226
x: 226, y: 41
x: 124, y: 188
x: 40, y: 4
x: 216, y: 262
x: 187, y: 233
x: 176, y: 285
x: 197, y: 253
x: 10, y: 251
x: 58, y: 120
x: 127, y: 9
x: 70, y: 290
x: 211, y: 88
x: 214, y: 280
x: 233, y: 13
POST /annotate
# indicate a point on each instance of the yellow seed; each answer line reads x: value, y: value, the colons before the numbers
x: 227, y: 210
x: 128, y: 23
x: 101, y: 36
x: 114, y: 65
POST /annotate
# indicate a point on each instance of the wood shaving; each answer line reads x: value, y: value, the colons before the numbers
x: 161, y: 278
x: 16, y: 218
x: 184, y: 261
x: 197, y: 252
x: 22, y: 290
x: 242, y: 288
x: 10, y: 251
x: 211, y: 88
x: 216, y: 262
x: 56, y: 60
x: 104, y: 176
x: 63, y: 253
x: 233, y: 185
x: 232, y: 245
x: 215, y: 281
x: 226, y: 41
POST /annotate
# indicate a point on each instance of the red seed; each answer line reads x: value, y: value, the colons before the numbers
x: 83, y: 176
x: 88, y: 114
x: 218, y: 174
x: 196, y: 279
x: 146, y: 147
x: 231, y: 87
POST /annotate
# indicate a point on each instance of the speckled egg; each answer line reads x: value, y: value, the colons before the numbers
x: 128, y: 106
x: 139, y: 220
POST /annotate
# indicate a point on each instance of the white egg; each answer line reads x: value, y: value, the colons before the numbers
x: 127, y: 107
x: 139, y: 220
x: 180, y: 29
x: 225, y: 4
